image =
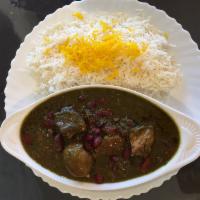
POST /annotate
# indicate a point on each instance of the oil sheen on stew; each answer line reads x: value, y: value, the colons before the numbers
x: 99, y: 135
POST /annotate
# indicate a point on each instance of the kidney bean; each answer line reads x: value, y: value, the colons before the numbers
x: 48, y: 123
x: 82, y: 98
x: 146, y: 165
x: 98, y: 178
x: 104, y: 113
x: 92, y: 104
x: 114, y: 158
x: 59, y: 143
x: 97, y: 141
x: 110, y: 130
x: 102, y: 101
x: 130, y: 122
x: 50, y: 115
x: 95, y: 130
x: 88, y: 138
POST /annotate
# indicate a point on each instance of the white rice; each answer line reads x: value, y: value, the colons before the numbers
x: 159, y: 74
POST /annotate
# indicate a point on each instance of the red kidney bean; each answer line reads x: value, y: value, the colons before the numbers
x: 95, y: 130
x: 104, y: 113
x: 98, y: 178
x: 146, y: 165
x: 48, y: 123
x: 114, y: 158
x: 102, y: 101
x: 130, y: 122
x: 110, y: 129
x: 50, y: 115
x: 82, y: 98
x: 59, y: 143
x: 88, y: 138
x: 126, y: 153
x: 92, y: 104
x: 97, y: 141
x: 27, y: 139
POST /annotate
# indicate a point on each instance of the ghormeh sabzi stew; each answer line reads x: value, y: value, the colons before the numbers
x: 99, y: 135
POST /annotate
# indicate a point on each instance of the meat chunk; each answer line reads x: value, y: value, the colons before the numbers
x: 69, y: 122
x: 110, y: 145
x: 141, y: 141
x: 77, y: 161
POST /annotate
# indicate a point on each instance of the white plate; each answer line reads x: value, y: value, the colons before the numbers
x: 20, y: 85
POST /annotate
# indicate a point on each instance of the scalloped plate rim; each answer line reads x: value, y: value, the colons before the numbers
x: 28, y: 37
